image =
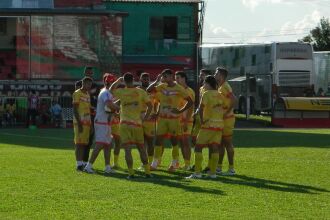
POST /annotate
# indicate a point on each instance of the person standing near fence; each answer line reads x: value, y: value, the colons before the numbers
x: 33, y: 104
x: 88, y: 72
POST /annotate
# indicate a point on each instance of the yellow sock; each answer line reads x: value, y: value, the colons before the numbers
x: 150, y: 158
x: 158, y: 152
x: 147, y: 169
x: 130, y: 171
x: 175, y: 152
x: 116, y: 159
x: 187, y: 163
x: 214, y: 161
x: 198, y: 162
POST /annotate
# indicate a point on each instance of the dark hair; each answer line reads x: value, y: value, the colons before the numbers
x: 128, y: 78
x: 211, y: 81
x: 144, y: 75
x: 167, y: 72
x: 88, y: 68
x: 206, y: 72
x: 223, y: 71
x: 85, y: 79
x: 182, y: 74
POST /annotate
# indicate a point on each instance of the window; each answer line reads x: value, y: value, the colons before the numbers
x: 184, y: 28
x: 254, y: 60
x: 163, y: 28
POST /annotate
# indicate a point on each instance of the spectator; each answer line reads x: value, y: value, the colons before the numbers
x: 44, y: 113
x: 33, y: 103
x: 10, y: 112
x: 320, y: 93
x: 2, y: 111
x: 56, y: 114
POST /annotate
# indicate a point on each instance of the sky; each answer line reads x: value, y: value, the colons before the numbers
x: 254, y: 21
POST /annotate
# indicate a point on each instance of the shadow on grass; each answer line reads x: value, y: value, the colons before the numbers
x: 173, y: 181
x: 270, y: 184
x: 265, y: 138
x: 63, y: 138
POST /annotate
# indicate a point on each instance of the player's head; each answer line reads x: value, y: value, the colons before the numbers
x: 221, y: 74
x: 181, y: 78
x: 89, y: 71
x: 108, y: 79
x: 87, y: 83
x: 210, y: 83
x: 202, y: 74
x: 128, y: 79
x: 167, y: 76
x: 145, y: 79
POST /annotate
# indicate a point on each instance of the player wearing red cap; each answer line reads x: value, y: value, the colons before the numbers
x: 102, y: 125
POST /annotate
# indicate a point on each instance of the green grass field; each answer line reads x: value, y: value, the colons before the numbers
x: 282, y: 174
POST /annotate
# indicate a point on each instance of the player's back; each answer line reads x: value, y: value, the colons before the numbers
x: 132, y: 101
x: 212, y: 102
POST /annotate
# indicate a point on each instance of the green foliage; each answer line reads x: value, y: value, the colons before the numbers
x: 282, y: 174
x: 319, y: 37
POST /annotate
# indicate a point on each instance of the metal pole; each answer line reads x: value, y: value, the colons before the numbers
x: 247, y: 96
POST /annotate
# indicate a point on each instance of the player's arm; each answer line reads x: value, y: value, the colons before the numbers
x: 149, y: 110
x: 153, y: 85
x: 77, y: 116
x: 233, y: 101
x: 114, y: 107
x: 188, y: 105
x: 115, y: 85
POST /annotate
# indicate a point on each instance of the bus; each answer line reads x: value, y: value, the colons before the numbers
x: 322, y: 71
x: 261, y: 73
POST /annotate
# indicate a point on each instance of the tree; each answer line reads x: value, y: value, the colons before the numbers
x: 319, y: 37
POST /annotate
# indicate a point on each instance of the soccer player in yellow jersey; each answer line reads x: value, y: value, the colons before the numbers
x: 170, y: 95
x: 229, y: 120
x: 149, y: 126
x: 132, y: 100
x: 186, y: 119
x: 81, y: 120
x: 211, y: 114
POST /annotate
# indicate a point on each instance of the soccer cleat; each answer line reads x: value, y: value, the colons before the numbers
x: 89, y: 170
x: 80, y: 168
x: 174, y: 166
x: 230, y: 172
x: 108, y: 170
x: 206, y: 170
x: 219, y: 171
x: 194, y: 176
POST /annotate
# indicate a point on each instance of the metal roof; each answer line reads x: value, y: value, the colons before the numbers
x: 160, y: 1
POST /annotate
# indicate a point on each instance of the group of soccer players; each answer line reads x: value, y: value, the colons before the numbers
x: 144, y: 116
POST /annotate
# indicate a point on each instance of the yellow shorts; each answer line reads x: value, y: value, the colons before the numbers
x: 228, y: 130
x: 149, y: 128
x: 208, y: 136
x: 196, y: 127
x: 189, y: 130
x: 168, y: 126
x: 115, y: 127
x: 131, y: 135
x: 83, y: 137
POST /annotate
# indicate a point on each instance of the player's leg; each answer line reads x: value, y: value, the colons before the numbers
x: 116, y: 151
x: 228, y: 143
x: 161, y: 130
x: 222, y: 152
x: 89, y: 145
x: 95, y: 153
x: 175, y: 132
x: 129, y: 161
x: 81, y: 141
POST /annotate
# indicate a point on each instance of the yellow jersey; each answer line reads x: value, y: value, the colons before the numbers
x: 82, y: 101
x: 191, y: 94
x: 226, y: 91
x: 170, y: 98
x: 132, y: 102
x: 212, y: 103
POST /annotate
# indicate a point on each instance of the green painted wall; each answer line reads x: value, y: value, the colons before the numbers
x: 136, y: 40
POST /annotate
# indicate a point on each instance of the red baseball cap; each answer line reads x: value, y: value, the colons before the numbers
x: 109, y: 78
